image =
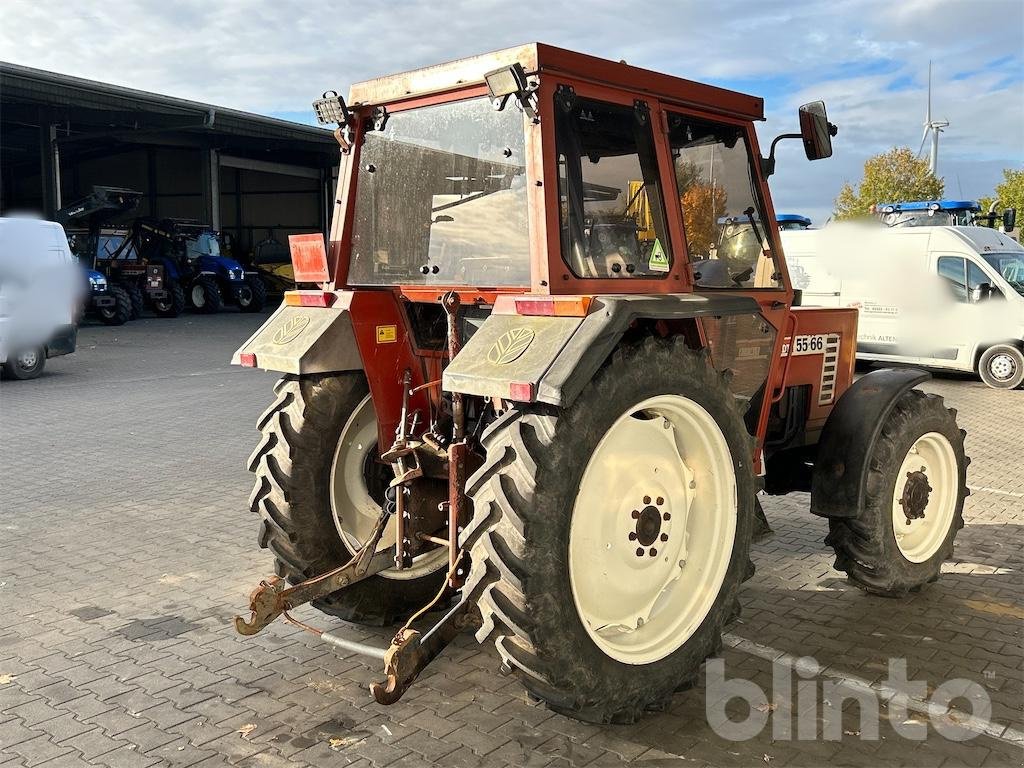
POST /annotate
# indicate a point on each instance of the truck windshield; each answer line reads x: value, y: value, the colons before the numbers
x: 441, y: 199
x: 1010, y: 266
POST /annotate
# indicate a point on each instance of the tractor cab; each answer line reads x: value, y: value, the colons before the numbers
x: 545, y: 351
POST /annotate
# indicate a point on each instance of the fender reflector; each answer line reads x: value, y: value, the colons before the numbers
x: 521, y: 391
x: 248, y: 359
x: 308, y: 298
x: 554, y: 306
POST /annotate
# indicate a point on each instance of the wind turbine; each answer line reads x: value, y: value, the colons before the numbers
x: 933, y: 126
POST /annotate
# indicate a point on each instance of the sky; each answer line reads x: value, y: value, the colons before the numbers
x: 867, y: 59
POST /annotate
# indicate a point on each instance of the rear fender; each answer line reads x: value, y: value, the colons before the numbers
x: 360, y: 331
x: 551, y: 359
x: 838, y: 486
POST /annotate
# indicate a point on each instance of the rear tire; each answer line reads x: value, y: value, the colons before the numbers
x: 173, y: 304
x: 525, y: 547
x: 880, y: 552
x: 1002, y: 367
x: 204, y: 294
x: 293, y: 466
x: 25, y: 365
x: 121, y: 311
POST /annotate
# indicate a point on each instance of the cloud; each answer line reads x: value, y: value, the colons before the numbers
x: 868, y: 59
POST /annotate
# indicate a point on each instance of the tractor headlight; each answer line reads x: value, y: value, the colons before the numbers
x: 98, y: 283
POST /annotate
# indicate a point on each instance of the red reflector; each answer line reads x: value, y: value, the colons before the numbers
x: 248, y: 359
x: 544, y: 307
x: 309, y: 258
x: 521, y: 391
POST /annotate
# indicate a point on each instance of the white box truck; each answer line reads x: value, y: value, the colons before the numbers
x: 938, y: 297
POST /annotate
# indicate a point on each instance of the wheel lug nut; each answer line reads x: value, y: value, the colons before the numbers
x: 664, y: 537
x: 666, y: 516
x: 647, y: 499
x: 659, y: 501
x: 639, y: 551
x: 632, y: 535
x: 636, y: 514
x: 653, y: 552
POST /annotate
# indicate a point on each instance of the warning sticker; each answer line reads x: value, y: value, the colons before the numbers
x: 659, y: 259
x: 386, y: 334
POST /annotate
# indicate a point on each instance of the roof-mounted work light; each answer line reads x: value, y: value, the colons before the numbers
x: 331, y: 108
x: 510, y: 81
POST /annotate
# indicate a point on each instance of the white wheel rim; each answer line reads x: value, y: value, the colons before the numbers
x: 355, y: 511
x: 244, y: 297
x: 920, y: 538
x: 639, y: 608
x: 1002, y: 367
x: 198, y: 295
x: 28, y: 360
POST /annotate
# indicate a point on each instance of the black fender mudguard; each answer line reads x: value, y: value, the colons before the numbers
x: 838, y: 485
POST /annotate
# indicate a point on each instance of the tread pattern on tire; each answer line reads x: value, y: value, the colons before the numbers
x: 503, y: 491
x: 289, y: 496
x: 214, y: 301
x: 857, y: 542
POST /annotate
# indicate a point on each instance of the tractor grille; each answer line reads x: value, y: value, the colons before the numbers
x: 829, y: 368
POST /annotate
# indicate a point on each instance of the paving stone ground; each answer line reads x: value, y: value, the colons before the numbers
x: 126, y: 547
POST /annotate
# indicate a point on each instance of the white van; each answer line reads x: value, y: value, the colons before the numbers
x: 936, y: 297
x: 41, y: 285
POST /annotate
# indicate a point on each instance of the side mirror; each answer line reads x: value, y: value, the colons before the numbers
x: 816, y: 131
x: 981, y: 291
x: 1009, y: 219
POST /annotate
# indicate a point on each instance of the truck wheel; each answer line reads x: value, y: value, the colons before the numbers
x: 205, y: 295
x: 1002, y: 366
x: 609, y: 540
x: 173, y: 304
x: 26, y: 365
x: 137, y: 299
x: 120, y: 312
x: 319, y: 489
x: 916, y: 486
x: 255, y: 298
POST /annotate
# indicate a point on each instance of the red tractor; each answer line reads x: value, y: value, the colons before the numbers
x: 552, y: 356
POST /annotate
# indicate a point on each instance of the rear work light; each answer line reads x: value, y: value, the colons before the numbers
x: 247, y: 359
x: 554, y: 306
x: 521, y: 391
x: 308, y: 298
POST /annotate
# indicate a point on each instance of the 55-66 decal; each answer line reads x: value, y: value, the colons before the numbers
x: 806, y: 345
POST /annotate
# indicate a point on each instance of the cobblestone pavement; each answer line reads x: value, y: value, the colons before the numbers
x: 126, y: 547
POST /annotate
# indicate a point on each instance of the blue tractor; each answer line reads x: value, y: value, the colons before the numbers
x: 110, y: 303
x: 792, y: 221
x: 195, y: 268
x: 944, y: 213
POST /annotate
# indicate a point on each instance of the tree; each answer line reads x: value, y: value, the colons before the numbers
x: 703, y: 206
x: 888, y: 178
x: 1010, y: 192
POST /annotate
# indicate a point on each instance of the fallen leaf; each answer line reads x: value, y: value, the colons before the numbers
x: 766, y: 707
x: 386, y: 730
x: 5, y: 679
x: 767, y: 758
x: 852, y: 733
x: 246, y: 729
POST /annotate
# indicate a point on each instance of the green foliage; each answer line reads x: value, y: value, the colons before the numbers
x: 889, y: 177
x: 1010, y: 192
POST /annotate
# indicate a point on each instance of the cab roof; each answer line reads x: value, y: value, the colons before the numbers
x: 929, y: 205
x: 540, y: 58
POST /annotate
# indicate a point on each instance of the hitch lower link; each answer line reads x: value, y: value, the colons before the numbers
x: 410, y: 651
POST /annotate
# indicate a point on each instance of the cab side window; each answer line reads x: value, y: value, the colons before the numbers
x: 612, y: 212
x: 723, y: 215
x: 953, y: 270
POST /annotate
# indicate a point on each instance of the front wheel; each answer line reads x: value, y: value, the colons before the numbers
x: 916, y: 486
x: 609, y: 540
x: 26, y: 365
x: 1002, y: 366
x: 120, y: 312
x: 205, y: 295
x: 253, y: 296
x: 136, y: 297
x: 173, y: 304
